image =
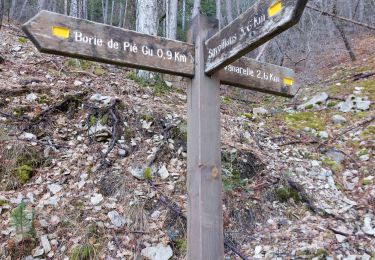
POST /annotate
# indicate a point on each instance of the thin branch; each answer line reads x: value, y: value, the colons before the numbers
x: 341, y: 18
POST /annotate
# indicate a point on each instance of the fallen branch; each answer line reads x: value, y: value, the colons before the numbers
x: 341, y: 17
x: 178, y: 212
x: 351, y: 128
x: 61, y: 106
x: 115, y: 118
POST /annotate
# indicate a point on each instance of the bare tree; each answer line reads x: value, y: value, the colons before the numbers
x: 147, y: 15
x: 196, y: 8
x: 171, y: 12
x: 112, y: 10
x: 340, y: 28
x: 218, y: 13
x: 74, y: 8
x: 183, y: 15
x: 2, y: 6
x: 228, y: 5
x: 66, y: 7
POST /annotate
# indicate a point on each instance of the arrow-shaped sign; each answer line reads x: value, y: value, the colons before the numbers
x: 263, y: 77
x: 68, y: 36
x: 260, y: 23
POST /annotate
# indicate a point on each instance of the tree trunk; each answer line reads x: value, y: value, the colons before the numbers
x: 125, y: 11
x: 196, y: 8
x: 105, y: 11
x: 183, y: 15
x: 41, y: 5
x: 112, y: 10
x: 218, y: 13
x: 238, y: 7
x: 2, y: 6
x: 147, y: 15
x: 339, y: 27
x: 172, y: 6
x: 74, y: 8
x: 22, y: 9
x: 228, y: 6
x: 66, y: 7
x: 121, y: 16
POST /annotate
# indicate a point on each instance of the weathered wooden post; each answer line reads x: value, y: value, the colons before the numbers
x: 205, y: 217
x: 218, y: 56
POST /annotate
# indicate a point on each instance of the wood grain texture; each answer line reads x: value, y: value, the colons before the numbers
x: 250, y: 30
x: 263, y: 77
x: 205, y: 212
x: 136, y: 55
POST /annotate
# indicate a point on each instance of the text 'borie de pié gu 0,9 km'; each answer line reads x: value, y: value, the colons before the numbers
x: 127, y: 46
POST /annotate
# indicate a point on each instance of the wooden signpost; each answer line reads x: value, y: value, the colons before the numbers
x: 263, y: 77
x: 209, y: 63
x: 68, y: 36
x: 260, y: 23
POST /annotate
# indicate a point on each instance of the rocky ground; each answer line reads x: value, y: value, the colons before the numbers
x: 93, y: 163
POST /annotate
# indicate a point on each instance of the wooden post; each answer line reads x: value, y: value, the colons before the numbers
x: 205, y: 216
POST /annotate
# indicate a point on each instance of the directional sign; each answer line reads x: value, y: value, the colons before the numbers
x: 260, y: 23
x: 67, y: 36
x: 263, y: 77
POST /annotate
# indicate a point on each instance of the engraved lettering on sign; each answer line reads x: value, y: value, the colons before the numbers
x: 146, y: 50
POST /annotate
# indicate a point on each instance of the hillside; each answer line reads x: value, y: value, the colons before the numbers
x: 93, y: 162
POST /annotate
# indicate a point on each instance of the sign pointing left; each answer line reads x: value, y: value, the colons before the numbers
x: 68, y: 36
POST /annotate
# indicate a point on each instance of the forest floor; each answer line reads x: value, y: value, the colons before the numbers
x: 93, y: 162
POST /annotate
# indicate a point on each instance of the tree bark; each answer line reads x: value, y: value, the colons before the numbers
x: 125, y: 11
x: 218, y: 13
x: 2, y: 6
x: 22, y: 9
x: 112, y: 10
x: 183, y: 15
x: 147, y: 16
x: 229, y: 11
x: 74, y: 8
x: 66, y: 7
x: 172, y: 8
x: 196, y: 8
x: 339, y: 27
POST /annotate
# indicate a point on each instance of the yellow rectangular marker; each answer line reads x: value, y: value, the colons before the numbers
x: 60, y: 32
x: 275, y: 8
x: 288, y: 81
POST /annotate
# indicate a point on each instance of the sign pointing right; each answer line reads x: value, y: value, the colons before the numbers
x: 263, y: 77
x: 260, y: 23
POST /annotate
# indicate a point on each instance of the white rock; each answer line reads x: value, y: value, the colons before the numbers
x: 163, y: 173
x: 27, y: 136
x: 366, y: 257
x: 259, y: 111
x: 137, y: 172
x: 96, y: 199
x: 39, y: 251
x: 363, y: 104
x: 340, y: 238
x: 31, y: 97
x: 168, y: 83
x: 30, y: 196
x: 159, y: 252
x: 55, y: 220
x: 365, y: 157
x: 45, y: 243
x: 338, y: 119
x: 100, y: 98
x: 258, y: 250
x: 116, y: 219
x: 54, y: 188
x: 77, y: 83
x: 319, y: 98
x: 323, y: 135
x: 367, y: 228
x: 146, y: 125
